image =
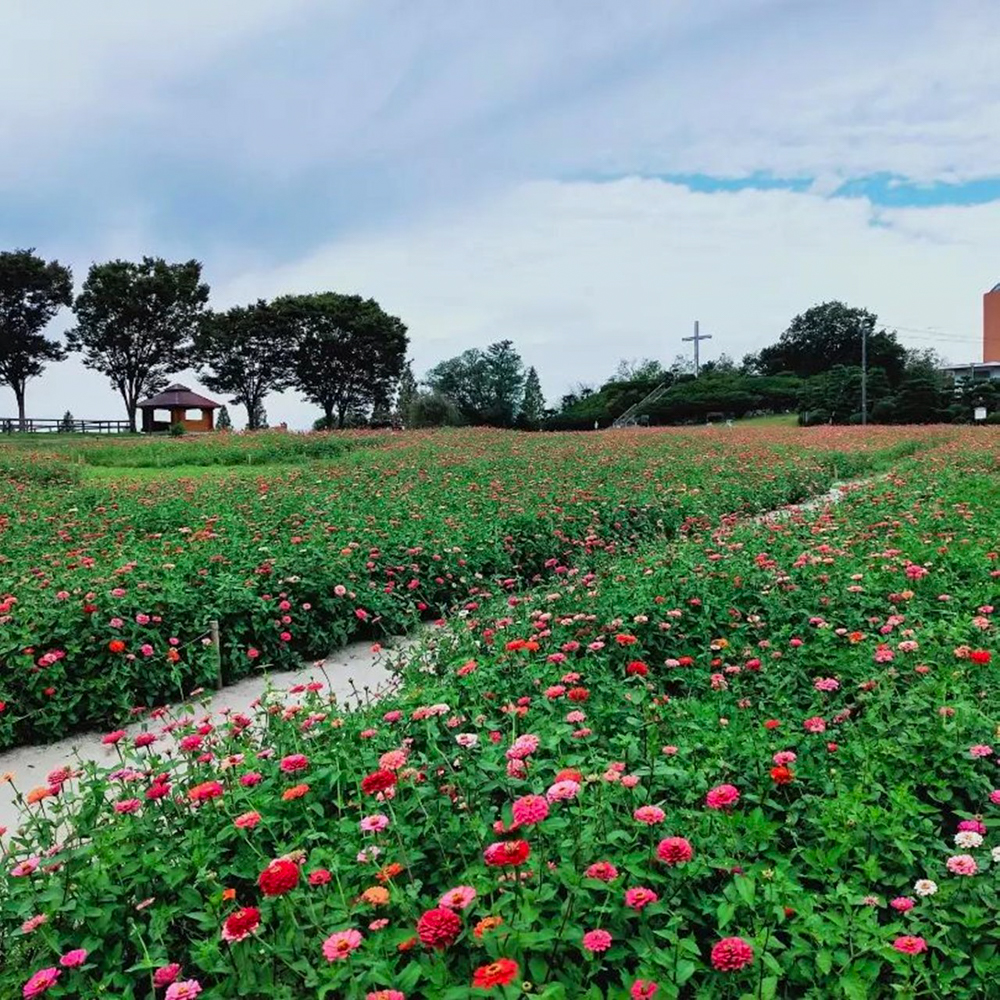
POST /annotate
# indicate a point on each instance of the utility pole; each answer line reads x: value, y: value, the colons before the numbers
x: 697, y: 338
x: 864, y: 374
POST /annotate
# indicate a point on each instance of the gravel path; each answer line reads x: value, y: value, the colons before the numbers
x: 355, y: 673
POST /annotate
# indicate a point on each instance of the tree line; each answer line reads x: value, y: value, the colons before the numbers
x: 137, y: 322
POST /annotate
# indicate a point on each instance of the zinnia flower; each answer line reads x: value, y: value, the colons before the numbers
x: 165, y: 975
x: 643, y: 989
x: 40, y: 982
x: 731, y: 954
x: 674, y: 850
x: 603, y: 871
x: 186, y: 990
x: 596, y: 941
x: 340, y: 944
x: 507, y: 852
x: 73, y: 958
x: 499, y: 973
x: 722, y: 797
x: 530, y: 809
x: 649, y: 815
x: 378, y: 781
x: 962, y: 864
x: 639, y: 897
x: 438, y: 928
x: 910, y: 945
x: 241, y: 924
x: 374, y: 823
x: 925, y: 887
x: 294, y: 762
x: 459, y: 898
x: 279, y: 877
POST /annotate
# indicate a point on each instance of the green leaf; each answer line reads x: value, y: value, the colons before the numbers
x: 824, y: 961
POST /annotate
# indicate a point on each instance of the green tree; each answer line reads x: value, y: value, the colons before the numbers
x: 487, y: 386
x: 830, y: 334
x: 350, y: 352
x: 532, y: 402
x: 258, y: 417
x: 247, y: 352
x: 67, y: 425
x: 223, y: 422
x: 135, y: 323
x: 31, y: 293
x: 407, y: 393
x: 432, y: 409
x: 633, y: 370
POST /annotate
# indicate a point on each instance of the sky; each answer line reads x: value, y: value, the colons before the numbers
x: 584, y: 177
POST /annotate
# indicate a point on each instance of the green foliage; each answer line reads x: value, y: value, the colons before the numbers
x: 31, y: 293
x: 67, y: 425
x: 486, y: 386
x: 830, y: 335
x: 350, y: 353
x: 223, y: 422
x: 247, y: 352
x: 432, y: 409
x: 177, y: 430
x: 136, y: 321
x: 533, y: 402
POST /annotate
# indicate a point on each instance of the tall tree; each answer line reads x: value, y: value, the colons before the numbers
x: 135, y: 323
x: 633, y: 370
x: 407, y: 393
x: 830, y: 334
x: 533, y: 403
x: 223, y: 422
x: 350, y: 352
x: 487, y: 386
x: 247, y: 352
x: 31, y: 292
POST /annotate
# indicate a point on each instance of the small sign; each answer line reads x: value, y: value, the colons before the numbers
x: 980, y: 413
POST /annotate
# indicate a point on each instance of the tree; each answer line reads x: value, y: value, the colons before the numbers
x: 350, y: 352
x: 432, y: 409
x: 830, y: 334
x: 135, y: 322
x: 31, y: 293
x: 632, y: 370
x: 247, y: 352
x: 223, y: 422
x: 258, y: 417
x: 533, y: 402
x: 67, y: 425
x: 487, y: 386
x: 407, y: 392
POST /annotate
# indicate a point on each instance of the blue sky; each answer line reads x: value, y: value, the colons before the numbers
x: 584, y: 178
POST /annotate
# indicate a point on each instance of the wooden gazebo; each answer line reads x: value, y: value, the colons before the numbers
x: 178, y: 400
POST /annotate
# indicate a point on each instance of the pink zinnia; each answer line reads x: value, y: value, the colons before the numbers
x: 374, y: 823
x: 294, y: 762
x: 643, y: 989
x: 73, y: 958
x: 722, y: 797
x: 596, y: 941
x: 530, y: 809
x: 962, y: 864
x: 910, y: 945
x: 562, y: 791
x: 186, y: 990
x: 731, y: 954
x: 674, y: 850
x: 639, y: 897
x: 247, y: 820
x: 603, y: 871
x: 817, y: 724
x: 902, y: 904
x: 340, y: 944
x: 40, y: 982
x: 385, y: 995
x: 165, y: 975
x: 459, y: 898
x: 127, y: 806
x: 649, y: 815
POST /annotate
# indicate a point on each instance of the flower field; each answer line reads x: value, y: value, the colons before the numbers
x: 653, y: 747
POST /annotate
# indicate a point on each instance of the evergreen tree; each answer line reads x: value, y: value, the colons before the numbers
x: 533, y: 402
x: 66, y: 424
x: 223, y: 422
x: 407, y: 394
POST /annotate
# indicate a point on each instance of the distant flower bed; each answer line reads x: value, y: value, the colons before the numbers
x: 762, y: 766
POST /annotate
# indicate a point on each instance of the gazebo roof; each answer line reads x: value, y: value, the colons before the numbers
x: 176, y: 396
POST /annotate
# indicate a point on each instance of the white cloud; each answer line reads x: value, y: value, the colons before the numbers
x: 579, y: 275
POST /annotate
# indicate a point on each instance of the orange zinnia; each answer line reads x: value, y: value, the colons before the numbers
x: 375, y: 896
x: 37, y: 794
x: 295, y: 792
x: 388, y: 872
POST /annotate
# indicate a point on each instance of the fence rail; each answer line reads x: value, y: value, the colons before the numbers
x: 34, y: 425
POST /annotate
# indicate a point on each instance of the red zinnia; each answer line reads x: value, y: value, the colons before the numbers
x: 781, y: 775
x: 439, y: 927
x: 507, y: 852
x: 378, y: 781
x: 279, y: 877
x: 241, y: 924
x: 731, y: 954
x: 674, y: 850
x: 637, y: 668
x: 205, y: 791
x: 498, y: 973
x: 980, y: 656
x: 578, y: 694
x: 116, y: 646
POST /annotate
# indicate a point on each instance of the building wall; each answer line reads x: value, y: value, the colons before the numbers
x: 991, y: 326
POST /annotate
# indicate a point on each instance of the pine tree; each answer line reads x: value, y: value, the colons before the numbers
x: 66, y: 424
x: 533, y: 402
x: 223, y: 423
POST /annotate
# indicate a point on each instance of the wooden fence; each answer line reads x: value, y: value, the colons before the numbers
x: 34, y: 425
